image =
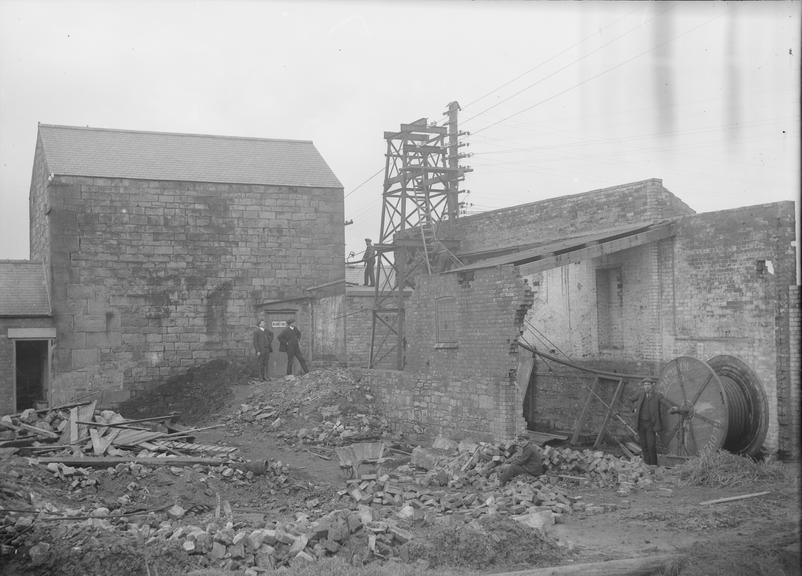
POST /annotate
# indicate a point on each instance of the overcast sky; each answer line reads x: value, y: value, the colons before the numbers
x: 559, y: 97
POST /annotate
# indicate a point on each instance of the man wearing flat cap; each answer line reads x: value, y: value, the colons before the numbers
x: 648, y: 419
x: 369, y: 258
x: 290, y: 342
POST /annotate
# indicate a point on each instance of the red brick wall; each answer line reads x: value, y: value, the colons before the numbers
x: 150, y: 278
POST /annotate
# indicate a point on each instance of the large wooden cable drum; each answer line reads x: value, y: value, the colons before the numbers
x: 711, y: 405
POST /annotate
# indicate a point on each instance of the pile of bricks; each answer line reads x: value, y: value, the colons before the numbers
x: 323, y: 407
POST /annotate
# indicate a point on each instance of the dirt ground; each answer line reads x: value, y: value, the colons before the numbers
x: 751, y: 536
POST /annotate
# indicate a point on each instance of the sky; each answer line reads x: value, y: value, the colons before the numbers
x: 558, y: 97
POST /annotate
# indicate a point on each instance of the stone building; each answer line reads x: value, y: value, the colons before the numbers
x: 27, y: 334
x: 623, y: 279
x: 162, y: 250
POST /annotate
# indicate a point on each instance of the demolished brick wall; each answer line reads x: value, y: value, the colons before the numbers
x: 698, y: 294
x: 150, y: 278
x: 466, y: 387
x: 791, y: 433
x: 732, y: 271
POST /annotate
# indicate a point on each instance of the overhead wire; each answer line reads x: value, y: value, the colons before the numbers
x: 544, y: 62
x: 595, y: 76
x: 566, y: 66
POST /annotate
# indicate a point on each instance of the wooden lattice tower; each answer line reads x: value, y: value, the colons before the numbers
x: 421, y: 180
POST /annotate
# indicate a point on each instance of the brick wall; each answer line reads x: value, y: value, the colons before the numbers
x: 7, y: 393
x: 731, y: 273
x: 151, y: 278
x: 468, y: 386
x: 698, y: 294
x: 566, y: 216
x: 792, y: 433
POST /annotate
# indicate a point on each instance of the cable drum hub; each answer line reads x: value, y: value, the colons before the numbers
x: 712, y: 405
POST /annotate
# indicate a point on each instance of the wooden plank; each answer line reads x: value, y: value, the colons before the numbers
x: 112, y: 425
x: 105, y: 461
x: 97, y: 446
x: 734, y: 498
x: 585, y: 406
x: 10, y: 426
x: 73, y: 437
x: 85, y: 413
x: 39, y: 431
x: 108, y: 439
x: 641, y: 566
x: 62, y: 407
x: 609, y: 413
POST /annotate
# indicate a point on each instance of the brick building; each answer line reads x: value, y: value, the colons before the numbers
x: 623, y: 279
x: 161, y: 251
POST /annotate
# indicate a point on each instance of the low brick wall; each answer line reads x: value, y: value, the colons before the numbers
x: 474, y: 408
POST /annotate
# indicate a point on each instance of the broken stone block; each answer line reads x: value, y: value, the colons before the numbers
x: 39, y: 553
x: 539, y: 519
x: 218, y: 551
x: 365, y: 514
x: 400, y: 534
x: 423, y: 458
x: 188, y: 546
x: 264, y: 558
x: 299, y: 544
x: 338, y: 531
x: 176, y: 512
x: 446, y: 444
x: 237, y: 551
x: 354, y: 521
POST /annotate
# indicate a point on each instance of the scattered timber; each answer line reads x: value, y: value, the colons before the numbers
x: 734, y: 498
x: 642, y: 566
x: 105, y: 461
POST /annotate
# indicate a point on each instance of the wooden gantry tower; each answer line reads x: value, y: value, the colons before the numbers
x: 421, y: 190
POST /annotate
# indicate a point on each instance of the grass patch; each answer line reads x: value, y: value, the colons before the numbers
x: 722, y: 469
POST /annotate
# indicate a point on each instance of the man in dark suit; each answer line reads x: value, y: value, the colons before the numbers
x: 648, y: 419
x: 263, y: 345
x: 290, y: 339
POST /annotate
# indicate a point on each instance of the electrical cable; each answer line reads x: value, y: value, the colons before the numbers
x: 554, y: 57
x: 538, y: 81
x: 595, y: 76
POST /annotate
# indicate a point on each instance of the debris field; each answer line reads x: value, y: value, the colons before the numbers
x: 82, y: 486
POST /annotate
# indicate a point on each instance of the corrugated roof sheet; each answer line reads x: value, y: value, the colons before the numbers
x: 98, y: 152
x: 560, y: 246
x: 23, y: 289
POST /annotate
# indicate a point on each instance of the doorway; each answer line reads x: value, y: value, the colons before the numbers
x: 30, y: 362
x: 276, y: 322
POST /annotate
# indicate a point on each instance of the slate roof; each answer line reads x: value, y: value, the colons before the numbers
x: 105, y: 153
x: 23, y: 289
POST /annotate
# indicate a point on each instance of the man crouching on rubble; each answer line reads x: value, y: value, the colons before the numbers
x: 527, y: 460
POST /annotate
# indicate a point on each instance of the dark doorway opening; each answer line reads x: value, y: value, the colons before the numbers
x: 31, y: 368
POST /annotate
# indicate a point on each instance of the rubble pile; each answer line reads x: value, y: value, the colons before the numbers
x: 475, y: 465
x: 598, y: 468
x: 323, y: 407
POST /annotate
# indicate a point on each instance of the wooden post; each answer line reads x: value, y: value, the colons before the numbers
x: 581, y: 419
x: 610, y: 409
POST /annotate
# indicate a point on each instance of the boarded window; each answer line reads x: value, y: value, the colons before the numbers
x: 446, y: 319
x: 610, y: 308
